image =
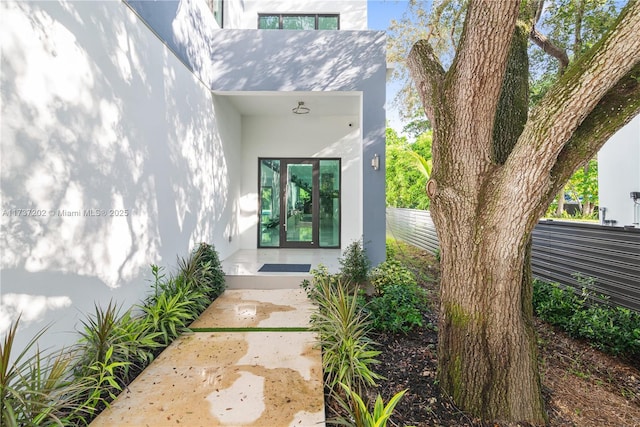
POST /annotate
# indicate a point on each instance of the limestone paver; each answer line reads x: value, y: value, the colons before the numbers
x: 260, y: 378
x: 257, y: 308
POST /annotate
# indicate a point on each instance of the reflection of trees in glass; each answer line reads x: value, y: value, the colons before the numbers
x: 266, y: 197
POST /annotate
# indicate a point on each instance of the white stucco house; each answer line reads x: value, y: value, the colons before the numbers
x: 133, y: 130
x: 619, y: 177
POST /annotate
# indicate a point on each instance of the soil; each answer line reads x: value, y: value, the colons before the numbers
x: 581, y: 386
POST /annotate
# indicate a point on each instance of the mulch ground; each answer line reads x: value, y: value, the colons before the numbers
x: 581, y: 386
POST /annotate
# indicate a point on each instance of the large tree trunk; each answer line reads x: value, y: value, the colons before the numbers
x: 486, y: 199
x: 485, y: 325
x: 487, y: 347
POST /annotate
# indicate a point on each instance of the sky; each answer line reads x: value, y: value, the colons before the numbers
x: 379, y: 14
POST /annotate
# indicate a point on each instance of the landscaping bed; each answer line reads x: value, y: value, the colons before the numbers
x: 582, y: 386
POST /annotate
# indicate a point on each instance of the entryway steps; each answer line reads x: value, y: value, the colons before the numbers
x: 266, y: 281
x: 249, y: 361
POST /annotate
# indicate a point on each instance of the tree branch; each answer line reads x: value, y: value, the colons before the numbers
x: 577, y: 105
x: 617, y: 108
x: 427, y: 75
x: 483, y: 49
x: 545, y: 44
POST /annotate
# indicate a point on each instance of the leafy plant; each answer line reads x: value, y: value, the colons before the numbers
x: 315, y: 289
x: 354, y: 264
x: 554, y: 304
x: 170, y: 313
x: 342, y: 327
x: 390, y: 272
x: 202, y: 271
x: 398, y: 302
x: 34, y: 388
x: 360, y: 413
x: 390, y: 249
x: 100, y: 385
x: 615, y: 330
x: 399, y: 309
x: 128, y: 339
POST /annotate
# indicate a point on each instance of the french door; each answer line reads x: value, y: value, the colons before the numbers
x: 299, y: 203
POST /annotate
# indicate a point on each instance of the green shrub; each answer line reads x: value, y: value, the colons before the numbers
x: 611, y: 329
x: 398, y: 309
x: 202, y: 271
x: 615, y: 330
x: 390, y: 272
x: 354, y: 264
x: 554, y: 304
x: 100, y: 385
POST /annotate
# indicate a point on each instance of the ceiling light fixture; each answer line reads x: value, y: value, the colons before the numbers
x: 301, y: 109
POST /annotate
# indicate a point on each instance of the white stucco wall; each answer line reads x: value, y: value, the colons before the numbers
x: 244, y: 14
x: 619, y: 173
x: 302, y: 136
x: 102, y: 120
x: 243, y: 60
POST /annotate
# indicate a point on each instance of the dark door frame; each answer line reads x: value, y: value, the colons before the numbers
x: 315, y: 161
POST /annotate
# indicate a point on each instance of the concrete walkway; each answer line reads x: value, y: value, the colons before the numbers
x: 267, y: 375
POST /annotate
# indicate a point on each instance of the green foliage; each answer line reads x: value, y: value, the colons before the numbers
x: 391, y: 272
x: 390, y: 249
x: 203, y: 271
x: 342, y: 329
x: 614, y: 330
x: 398, y: 302
x: 399, y: 309
x: 407, y: 169
x: 33, y: 388
x: 179, y: 300
x: 582, y: 188
x: 593, y: 18
x: 71, y: 387
x: 359, y: 410
x: 170, y: 312
x: 128, y: 339
x: 100, y: 385
x: 354, y: 264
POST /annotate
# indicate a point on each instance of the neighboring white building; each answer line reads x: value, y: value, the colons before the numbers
x: 132, y: 131
x: 619, y: 176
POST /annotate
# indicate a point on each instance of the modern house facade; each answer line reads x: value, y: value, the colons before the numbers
x: 132, y: 131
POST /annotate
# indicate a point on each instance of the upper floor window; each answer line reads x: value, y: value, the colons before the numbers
x: 275, y: 21
x: 216, y: 9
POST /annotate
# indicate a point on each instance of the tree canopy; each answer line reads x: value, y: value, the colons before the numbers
x: 405, y: 181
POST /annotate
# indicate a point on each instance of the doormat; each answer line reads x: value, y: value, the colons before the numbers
x: 285, y: 268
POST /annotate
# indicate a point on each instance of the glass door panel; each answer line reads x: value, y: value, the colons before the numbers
x: 300, y: 203
x: 269, y: 203
x: 329, y: 221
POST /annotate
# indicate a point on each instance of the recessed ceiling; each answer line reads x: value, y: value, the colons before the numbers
x: 280, y: 104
